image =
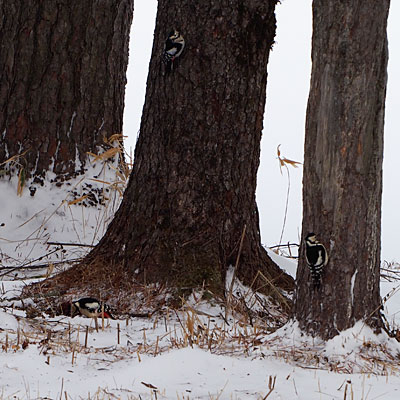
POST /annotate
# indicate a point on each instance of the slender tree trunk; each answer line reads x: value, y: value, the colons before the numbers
x: 192, y: 189
x: 62, y: 81
x: 343, y: 164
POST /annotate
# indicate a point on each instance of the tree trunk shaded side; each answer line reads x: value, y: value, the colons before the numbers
x: 192, y: 189
x: 62, y: 80
x: 342, y: 184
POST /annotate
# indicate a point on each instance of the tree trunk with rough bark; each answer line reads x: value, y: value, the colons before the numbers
x: 343, y: 165
x: 62, y: 81
x: 192, y: 188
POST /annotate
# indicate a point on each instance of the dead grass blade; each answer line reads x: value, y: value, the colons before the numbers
x: 284, y: 162
x: 21, y: 181
x: 14, y: 158
x: 119, y: 137
x: 106, y: 155
x: 271, y: 386
x: 79, y: 199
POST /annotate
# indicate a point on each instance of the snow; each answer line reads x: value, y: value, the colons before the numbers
x: 8, y: 321
x: 194, y: 354
x: 286, y: 264
x: 353, y: 278
x: 129, y: 370
x: 28, y: 223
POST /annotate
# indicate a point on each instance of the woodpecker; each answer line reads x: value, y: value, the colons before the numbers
x: 316, y: 256
x: 173, y: 48
x: 92, y: 308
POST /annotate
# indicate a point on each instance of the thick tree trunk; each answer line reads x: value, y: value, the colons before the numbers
x: 343, y: 164
x: 192, y: 189
x: 62, y: 81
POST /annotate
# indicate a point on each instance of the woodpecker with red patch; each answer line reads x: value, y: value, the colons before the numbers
x: 173, y: 48
x: 92, y: 308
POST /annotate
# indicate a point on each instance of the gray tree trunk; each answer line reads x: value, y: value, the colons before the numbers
x: 343, y: 164
x: 62, y: 81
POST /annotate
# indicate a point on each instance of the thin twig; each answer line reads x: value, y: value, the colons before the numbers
x: 27, y: 266
x: 287, y: 204
x: 284, y: 245
x: 70, y: 244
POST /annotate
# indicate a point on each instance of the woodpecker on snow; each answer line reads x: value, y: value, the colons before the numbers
x: 92, y: 308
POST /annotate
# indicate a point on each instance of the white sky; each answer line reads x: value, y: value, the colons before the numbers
x: 287, y: 92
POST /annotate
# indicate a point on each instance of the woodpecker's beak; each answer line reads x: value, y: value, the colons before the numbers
x: 108, y: 315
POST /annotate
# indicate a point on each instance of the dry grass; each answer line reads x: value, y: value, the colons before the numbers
x: 189, y: 326
x: 168, y: 329
x: 285, y: 163
x: 104, y: 195
x: 182, y: 328
x: 245, y: 334
x: 16, y: 162
x: 254, y: 317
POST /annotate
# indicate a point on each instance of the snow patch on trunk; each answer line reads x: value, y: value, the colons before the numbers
x: 353, y: 279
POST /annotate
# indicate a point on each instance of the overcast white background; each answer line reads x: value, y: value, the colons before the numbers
x: 287, y: 91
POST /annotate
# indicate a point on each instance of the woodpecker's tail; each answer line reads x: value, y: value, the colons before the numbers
x: 316, y: 280
x: 169, y: 66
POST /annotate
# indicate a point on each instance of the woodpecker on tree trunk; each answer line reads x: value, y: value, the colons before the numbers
x: 317, y: 258
x: 173, y: 48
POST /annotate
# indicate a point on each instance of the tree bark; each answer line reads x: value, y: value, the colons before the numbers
x: 192, y: 189
x: 343, y: 165
x: 62, y: 81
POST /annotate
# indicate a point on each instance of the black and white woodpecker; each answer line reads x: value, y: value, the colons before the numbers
x: 92, y: 308
x: 316, y: 257
x: 173, y: 48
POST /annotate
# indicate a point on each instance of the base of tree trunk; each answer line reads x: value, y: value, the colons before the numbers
x: 192, y: 188
x: 319, y: 329
x: 101, y: 277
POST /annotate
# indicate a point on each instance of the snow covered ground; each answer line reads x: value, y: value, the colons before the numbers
x: 195, y: 356
x: 194, y: 353
x: 32, y: 228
